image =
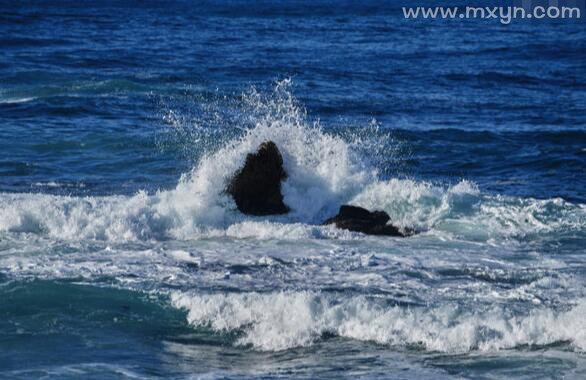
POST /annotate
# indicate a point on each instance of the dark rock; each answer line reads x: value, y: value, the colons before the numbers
x: 361, y: 220
x: 256, y: 188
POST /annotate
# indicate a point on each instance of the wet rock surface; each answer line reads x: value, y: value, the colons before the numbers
x: 256, y: 188
x: 359, y: 219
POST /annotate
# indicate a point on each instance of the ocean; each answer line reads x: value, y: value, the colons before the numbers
x: 122, y: 256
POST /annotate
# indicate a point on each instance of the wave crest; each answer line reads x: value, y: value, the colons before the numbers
x: 283, y: 320
x: 324, y: 170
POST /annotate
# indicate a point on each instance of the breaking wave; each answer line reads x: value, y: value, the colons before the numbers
x: 325, y: 171
x: 283, y: 320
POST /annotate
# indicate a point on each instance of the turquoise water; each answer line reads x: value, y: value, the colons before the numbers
x: 121, y: 256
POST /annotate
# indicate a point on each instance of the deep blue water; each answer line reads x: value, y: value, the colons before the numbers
x: 120, y: 256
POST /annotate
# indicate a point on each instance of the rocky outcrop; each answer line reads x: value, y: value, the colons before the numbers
x: 256, y: 188
x: 359, y: 219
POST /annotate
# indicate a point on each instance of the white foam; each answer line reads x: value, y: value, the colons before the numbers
x: 463, y: 211
x: 324, y: 171
x: 283, y: 320
x: 17, y: 100
x: 58, y: 184
x: 116, y: 218
x: 285, y: 231
x: 184, y: 256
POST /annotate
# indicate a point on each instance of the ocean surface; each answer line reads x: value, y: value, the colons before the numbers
x: 122, y: 257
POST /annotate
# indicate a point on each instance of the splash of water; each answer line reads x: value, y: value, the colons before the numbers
x: 324, y: 170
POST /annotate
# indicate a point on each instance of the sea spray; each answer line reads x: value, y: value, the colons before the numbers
x: 324, y: 170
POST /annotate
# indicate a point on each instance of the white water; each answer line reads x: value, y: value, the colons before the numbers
x: 282, y: 320
x: 324, y: 171
x: 481, y: 275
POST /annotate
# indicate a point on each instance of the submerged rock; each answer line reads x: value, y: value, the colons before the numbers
x: 256, y: 188
x: 359, y: 219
